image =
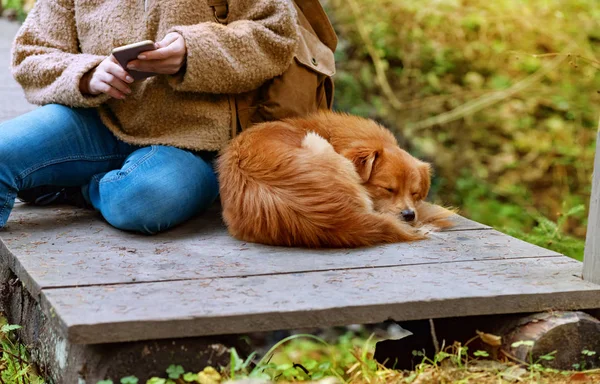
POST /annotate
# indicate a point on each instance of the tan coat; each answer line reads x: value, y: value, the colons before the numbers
x: 63, y: 39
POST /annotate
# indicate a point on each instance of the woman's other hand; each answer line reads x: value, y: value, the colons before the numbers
x: 108, y: 77
x: 167, y: 58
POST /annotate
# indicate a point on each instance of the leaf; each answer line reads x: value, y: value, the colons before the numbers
x: 489, y: 339
x: 579, y: 376
x: 105, y: 382
x: 441, y: 356
x: 209, y: 375
x: 129, y: 380
x: 175, y: 371
x: 527, y: 343
x: 587, y: 352
x: 514, y: 373
x: 284, y: 366
x: 248, y: 361
x: 575, y: 210
x: 311, y: 364
x: 481, y: 354
x: 157, y: 380
x: 548, y: 356
x: 9, y: 328
x: 256, y: 374
x: 190, y: 377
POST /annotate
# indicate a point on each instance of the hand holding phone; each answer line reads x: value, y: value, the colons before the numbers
x: 130, y: 52
x: 167, y: 59
x: 108, y: 77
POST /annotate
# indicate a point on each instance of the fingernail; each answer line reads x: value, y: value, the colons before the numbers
x: 131, y: 66
x: 142, y: 57
x: 128, y: 91
x: 129, y: 79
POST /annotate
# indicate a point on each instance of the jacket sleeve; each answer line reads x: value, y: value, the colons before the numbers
x: 257, y: 44
x: 46, y: 60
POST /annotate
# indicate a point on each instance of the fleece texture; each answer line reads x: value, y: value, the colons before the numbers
x: 61, y: 40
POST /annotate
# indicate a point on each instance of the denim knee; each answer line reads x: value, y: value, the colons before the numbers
x: 168, y: 187
x: 128, y: 207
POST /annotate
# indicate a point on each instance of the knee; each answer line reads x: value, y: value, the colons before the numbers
x: 142, y: 207
x: 150, y: 205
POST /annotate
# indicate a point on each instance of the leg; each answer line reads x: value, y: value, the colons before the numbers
x: 54, y: 145
x: 157, y: 188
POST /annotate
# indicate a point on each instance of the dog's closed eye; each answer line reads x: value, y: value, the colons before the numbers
x: 388, y: 189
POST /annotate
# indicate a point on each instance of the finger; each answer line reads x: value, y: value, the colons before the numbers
x: 118, y: 71
x: 159, y: 54
x: 147, y: 66
x: 139, y: 65
x: 107, y: 89
x: 165, y: 67
x: 168, y: 40
x: 113, y: 59
x: 114, y: 82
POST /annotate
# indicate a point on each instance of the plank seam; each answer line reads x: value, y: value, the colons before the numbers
x: 295, y: 272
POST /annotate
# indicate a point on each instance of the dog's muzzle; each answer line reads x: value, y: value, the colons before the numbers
x: 408, y: 215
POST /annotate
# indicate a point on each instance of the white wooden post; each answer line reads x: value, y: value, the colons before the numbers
x: 591, y: 261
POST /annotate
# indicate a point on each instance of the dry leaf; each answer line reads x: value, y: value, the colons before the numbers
x: 579, y: 376
x: 489, y: 339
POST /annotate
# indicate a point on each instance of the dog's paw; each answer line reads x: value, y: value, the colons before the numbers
x: 426, y: 229
x: 316, y: 143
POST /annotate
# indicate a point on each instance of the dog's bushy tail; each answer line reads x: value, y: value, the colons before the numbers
x: 302, y: 193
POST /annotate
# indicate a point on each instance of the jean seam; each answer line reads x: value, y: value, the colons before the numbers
x: 8, y: 197
x: 30, y: 170
x: 122, y: 174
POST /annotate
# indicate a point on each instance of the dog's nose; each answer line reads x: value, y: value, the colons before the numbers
x: 408, y: 215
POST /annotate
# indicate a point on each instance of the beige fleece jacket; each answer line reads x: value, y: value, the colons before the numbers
x: 63, y: 39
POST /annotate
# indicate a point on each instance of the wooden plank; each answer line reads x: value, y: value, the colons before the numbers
x: 67, y: 247
x: 591, y: 260
x: 464, y: 224
x: 102, y: 314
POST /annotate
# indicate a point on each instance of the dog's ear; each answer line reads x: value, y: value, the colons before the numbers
x: 425, y: 172
x: 363, y: 159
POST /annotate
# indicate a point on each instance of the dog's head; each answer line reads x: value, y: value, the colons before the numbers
x: 396, y: 181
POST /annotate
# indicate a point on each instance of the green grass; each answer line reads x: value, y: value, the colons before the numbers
x: 521, y: 219
x: 349, y: 360
x: 14, y: 361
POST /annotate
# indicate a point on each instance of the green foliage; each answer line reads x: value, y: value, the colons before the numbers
x: 549, y: 234
x: 175, y: 371
x: 19, y: 7
x: 515, y: 164
x: 276, y: 364
x: 14, y: 361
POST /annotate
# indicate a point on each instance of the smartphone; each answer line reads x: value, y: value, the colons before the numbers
x: 130, y: 52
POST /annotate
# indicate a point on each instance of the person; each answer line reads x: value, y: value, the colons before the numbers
x: 140, y: 152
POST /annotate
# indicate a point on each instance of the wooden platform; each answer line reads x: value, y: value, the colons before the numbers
x: 103, y: 285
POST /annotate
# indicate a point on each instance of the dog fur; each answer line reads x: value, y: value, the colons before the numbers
x: 326, y: 180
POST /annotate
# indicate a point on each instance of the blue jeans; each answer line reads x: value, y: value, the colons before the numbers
x: 143, y: 189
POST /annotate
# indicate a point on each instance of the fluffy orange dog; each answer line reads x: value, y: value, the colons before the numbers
x: 327, y: 180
